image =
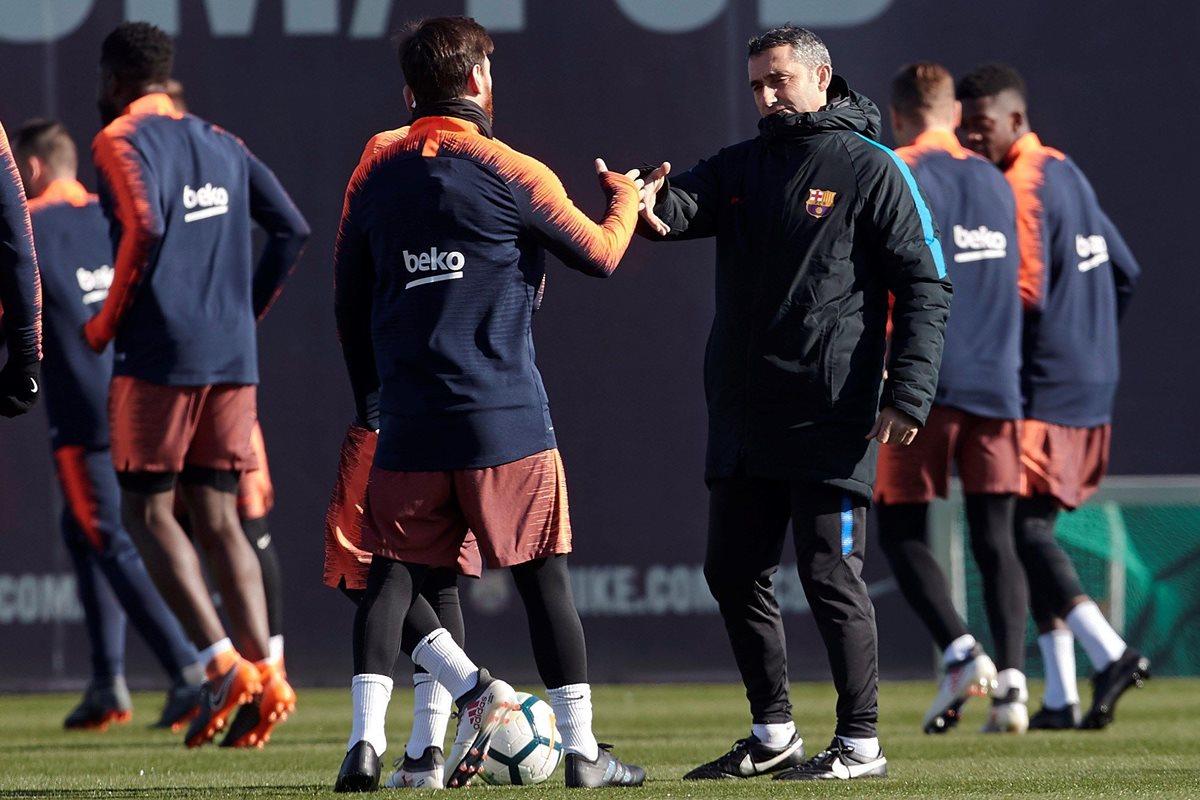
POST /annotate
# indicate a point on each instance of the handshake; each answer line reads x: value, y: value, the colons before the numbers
x: 648, y: 183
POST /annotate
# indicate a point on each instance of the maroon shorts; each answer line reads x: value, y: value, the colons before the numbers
x: 987, y: 452
x: 157, y: 428
x: 346, y: 563
x: 1063, y: 462
x: 518, y: 513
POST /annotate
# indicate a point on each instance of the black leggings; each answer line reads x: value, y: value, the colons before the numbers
x: 391, y: 611
x: 395, y: 614
x: 904, y: 538
x: 555, y: 631
x: 1054, y: 586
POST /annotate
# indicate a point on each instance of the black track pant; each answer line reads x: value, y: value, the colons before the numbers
x: 904, y: 537
x: 394, y: 615
x: 1054, y: 585
x: 748, y: 519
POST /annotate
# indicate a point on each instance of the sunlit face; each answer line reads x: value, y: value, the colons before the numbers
x: 781, y: 84
x: 991, y: 124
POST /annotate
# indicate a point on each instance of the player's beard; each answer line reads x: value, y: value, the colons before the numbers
x: 488, y: 107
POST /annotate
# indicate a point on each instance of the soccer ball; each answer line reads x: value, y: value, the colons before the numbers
x: 526, y: 749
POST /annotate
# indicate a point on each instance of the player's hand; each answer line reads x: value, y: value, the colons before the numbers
x: 895, y: 427
x: 20, y: 388
x: 633, y: 174
x: 652, y: 184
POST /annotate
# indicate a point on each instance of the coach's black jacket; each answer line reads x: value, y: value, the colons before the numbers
x: 815, y: 223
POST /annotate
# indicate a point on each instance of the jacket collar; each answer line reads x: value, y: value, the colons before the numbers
x: 425, y: 125
x: 1027, y: 143
x: 939, y: 139
x: 64, y: 190
x: 844, y: 110
x: 158, y: 103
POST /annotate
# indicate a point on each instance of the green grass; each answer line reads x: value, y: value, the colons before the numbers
x: 1152, y: 751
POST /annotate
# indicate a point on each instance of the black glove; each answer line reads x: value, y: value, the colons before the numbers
x: 20, y: 388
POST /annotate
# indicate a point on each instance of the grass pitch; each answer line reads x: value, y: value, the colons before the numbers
x: 1153, y: 750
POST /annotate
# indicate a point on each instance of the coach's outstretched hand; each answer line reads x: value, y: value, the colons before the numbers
x: 653, y: 182
x: 894, y: 426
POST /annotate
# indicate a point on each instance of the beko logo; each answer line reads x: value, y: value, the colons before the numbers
x: 41, y: 21
x: 449, y: 264
x: 979, y: 244
x: 94, y: 283
x: 1092, y: 249
x: 208, y: 201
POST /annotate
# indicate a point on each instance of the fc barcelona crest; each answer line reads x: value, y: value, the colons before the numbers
x: 820, y: 202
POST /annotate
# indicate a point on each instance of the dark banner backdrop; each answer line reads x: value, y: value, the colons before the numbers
x: 306, y: 82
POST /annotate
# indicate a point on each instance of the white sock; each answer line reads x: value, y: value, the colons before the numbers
x: 214, y: 650
x: 959, y: 649
x: 446, y: 662
x: 572, y: 706
x: 774, y: 735
x: 868, y: 748
x: 275, y: 648
x: 369, y: 696
x: 193, y: 674
x: 1008, y: 679
x: 1058, y: 655
x: 431, y: 714
x: 1102, y: 644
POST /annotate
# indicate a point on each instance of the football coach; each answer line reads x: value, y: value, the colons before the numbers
x: 815, y: 224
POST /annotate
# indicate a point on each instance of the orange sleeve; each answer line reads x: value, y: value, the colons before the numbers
x: 1027, y: 178
x: 79, y: 493
x: 121, y: 169
x: 581, y: 244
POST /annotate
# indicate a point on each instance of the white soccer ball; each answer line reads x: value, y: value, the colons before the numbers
x: 526, y: 749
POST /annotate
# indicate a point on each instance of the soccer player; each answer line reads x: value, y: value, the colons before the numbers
x: 437, y: 268
x: 256, y: 494
x: 181, y: 194
x: 71, y: 236
x: 1076, y: 278
x: 346, y: 567
x: 973, y: 421
x: 815, y: 223
x: 20, y: 294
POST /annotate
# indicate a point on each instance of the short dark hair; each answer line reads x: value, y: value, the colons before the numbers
x: 806, y: 46
x: 138, y: 52
x: 47, y: 139
x: 989, y: 80
x: 922, y: 87
x: 438, y: 53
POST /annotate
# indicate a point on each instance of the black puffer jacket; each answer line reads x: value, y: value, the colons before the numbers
x: 815, y: 223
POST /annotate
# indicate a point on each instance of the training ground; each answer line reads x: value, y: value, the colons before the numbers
x: 1153, y: 749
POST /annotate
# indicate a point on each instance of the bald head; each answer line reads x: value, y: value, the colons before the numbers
x: 922, y: 99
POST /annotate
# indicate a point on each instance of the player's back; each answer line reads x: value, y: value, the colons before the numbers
x: 190, y: 321
x: 75, y: 258
x: 455, y: 281
x: 974, y: 208
x: 1074, y: 267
